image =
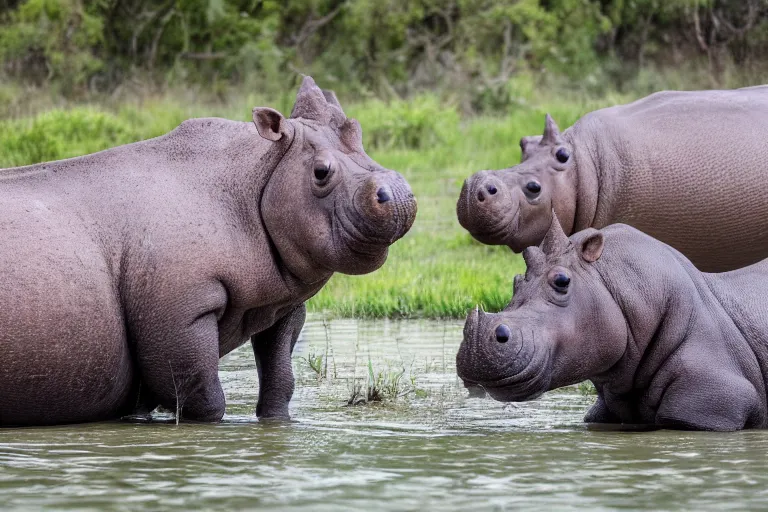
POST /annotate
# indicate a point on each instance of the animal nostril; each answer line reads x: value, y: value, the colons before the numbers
x: 503, y: 333
x: 382, y: 195
x: 480, y: 196
x: 491, y: 189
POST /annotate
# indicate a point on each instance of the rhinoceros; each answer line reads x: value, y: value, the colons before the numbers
x: 128, y: 273
x: 688, y: 168
x: 665, y: 344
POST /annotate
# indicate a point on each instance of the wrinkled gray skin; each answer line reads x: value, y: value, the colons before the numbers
x: 128, y: 273
x: 664, y: 343
x: 688, y: 168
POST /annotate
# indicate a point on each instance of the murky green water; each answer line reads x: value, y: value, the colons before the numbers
x: 432, y: 449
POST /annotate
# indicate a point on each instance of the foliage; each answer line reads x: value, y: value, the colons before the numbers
x: 586, y: 388
x: 383, y: 385
x: 318, y: 363
x: 52, y: 40
x: 388, y: 48
x: 420, y: 122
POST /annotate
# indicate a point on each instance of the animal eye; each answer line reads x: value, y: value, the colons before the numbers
x: 322, y: 170
x: 562, y: 155
x: 503, y: 333
x: 533, y: 187
x: 560, y: 282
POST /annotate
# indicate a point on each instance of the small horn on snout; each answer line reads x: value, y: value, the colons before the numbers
x: 331, y: 98
x: 534, y: 257
x: 555, y: 241
x: 352, y: 135
x: 551, y: 132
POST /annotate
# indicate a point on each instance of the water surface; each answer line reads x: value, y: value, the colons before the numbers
x: 432, y: 449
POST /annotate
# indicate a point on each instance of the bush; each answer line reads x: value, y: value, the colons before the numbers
x: 423, y: 121
x: 389, y: 48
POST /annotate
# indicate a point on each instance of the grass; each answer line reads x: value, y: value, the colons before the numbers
x: 436, y: 270
x: 388, y: 385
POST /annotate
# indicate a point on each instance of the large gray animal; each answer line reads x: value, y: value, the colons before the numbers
x: 128, y: 273
x: 663, y: 343
x: 688, y: 168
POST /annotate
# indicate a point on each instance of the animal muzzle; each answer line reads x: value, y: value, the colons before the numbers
x: 386, y: 208
x: 497, y: 356
x: 486, y: 208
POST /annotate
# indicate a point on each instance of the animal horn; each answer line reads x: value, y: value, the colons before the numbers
x: 311, y: 102
x: 555, y: 241
x: 533, y: 257
x: 338, y: 117
x: 331, y: 98
x: 551, y: 132
x: 352, y: 134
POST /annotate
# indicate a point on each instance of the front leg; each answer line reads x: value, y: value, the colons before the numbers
x: 146, y: 402
x: 272, y: 349
x: 176, y: 346
x: 599, y: 413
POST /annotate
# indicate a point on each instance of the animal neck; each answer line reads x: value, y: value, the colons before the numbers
x: 585, y: 181
x: 598, y: 176
x: 297, y: 268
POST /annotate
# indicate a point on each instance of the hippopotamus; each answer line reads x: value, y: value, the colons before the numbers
x: 666, y: 346
x: 687, y: 168
x: 128, y: 273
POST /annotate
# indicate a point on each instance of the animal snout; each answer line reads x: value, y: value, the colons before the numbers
x: 383, y: 195
x: 485, y: 208
x: 486, y: 189
x: 490, y: 349
x: 491, y: 334
x: 388, y: 204
x: 389, y: 191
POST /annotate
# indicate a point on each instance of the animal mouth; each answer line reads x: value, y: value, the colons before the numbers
x: 375, y: 222
x: 347, y: 232
x: 527, y: 385
x: 502, y: 233
x: 368, y: 236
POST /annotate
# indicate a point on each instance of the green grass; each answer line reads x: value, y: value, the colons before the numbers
x: 436, y: 270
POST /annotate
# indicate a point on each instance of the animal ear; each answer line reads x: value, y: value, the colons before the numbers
x: 592, y: 246
x: 551, y: 132
x: 555, y: 242
x: 269, y: 122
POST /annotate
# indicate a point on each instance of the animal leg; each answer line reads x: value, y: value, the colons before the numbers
x: 182, y: 370
x: 272, y: 350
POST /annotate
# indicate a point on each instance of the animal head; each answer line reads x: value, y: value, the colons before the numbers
x: 328, y: 206
x: 514, y: 206
x: 563, y: 325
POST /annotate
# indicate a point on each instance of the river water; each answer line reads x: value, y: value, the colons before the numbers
x: 430, y: 448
